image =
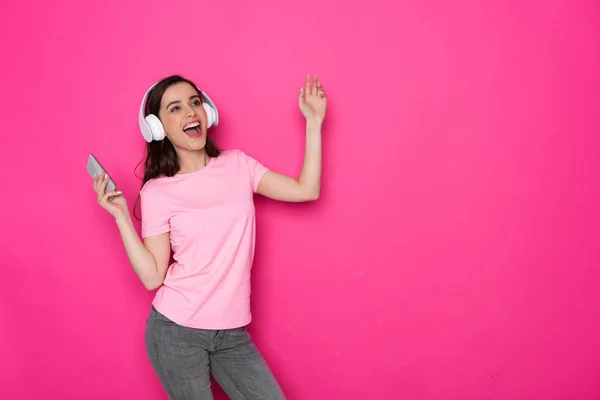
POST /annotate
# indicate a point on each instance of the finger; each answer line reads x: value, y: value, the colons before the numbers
x: 320, y: 91
x: 98, y: 181
x: 301, y: 95
x: 109, y: 196
x: 307, y: 84
x: 102, y: 184
x: 314, y: 85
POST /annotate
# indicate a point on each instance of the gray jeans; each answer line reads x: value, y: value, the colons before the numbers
x: 184, y: 359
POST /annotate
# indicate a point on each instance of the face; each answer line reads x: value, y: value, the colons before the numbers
x: 183, y: 117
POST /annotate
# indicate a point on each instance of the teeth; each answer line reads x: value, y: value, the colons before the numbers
x: 191, y: 125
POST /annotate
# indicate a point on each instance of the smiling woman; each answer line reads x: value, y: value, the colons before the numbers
x: 171, y: 105
x: 197, y: 201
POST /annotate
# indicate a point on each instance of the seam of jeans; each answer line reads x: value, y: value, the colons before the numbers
x: 160, y: 360
x: 228, y: 377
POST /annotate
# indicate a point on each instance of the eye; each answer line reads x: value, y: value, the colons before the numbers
x: 176, y: 108
x: 196, y: 103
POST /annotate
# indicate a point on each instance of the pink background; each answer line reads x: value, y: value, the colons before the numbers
x: 454, y: 251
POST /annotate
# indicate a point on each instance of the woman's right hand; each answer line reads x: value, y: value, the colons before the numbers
x: 114, y: 202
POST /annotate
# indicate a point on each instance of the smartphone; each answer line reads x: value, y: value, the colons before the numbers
x: 94, y: 168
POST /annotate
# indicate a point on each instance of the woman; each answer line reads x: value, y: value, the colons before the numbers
x: 198, y: 201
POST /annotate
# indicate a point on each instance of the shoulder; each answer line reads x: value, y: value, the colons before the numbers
x: 153, y: 188
x: 236, y: 157
x: 149, y: 196
x: 232, y: 154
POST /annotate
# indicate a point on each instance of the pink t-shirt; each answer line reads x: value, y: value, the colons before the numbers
x: 210, y: 216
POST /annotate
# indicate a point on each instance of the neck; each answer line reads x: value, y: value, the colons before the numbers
x: 192, y: 161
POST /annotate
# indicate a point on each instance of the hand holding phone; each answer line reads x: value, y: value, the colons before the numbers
x: 94, y: 168
x: 105, y: 187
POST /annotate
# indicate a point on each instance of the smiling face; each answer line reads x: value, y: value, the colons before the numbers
x: 183, y: 117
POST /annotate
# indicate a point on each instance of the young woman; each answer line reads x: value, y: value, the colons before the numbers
x: 198, y: 201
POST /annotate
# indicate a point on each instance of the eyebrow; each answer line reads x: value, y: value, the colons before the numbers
x: 179, y: 101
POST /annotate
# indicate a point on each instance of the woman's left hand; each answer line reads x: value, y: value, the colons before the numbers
x: 313, y: 100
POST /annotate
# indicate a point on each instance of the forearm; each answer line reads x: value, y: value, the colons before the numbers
x: 140, y: 258
x: 310, y: 176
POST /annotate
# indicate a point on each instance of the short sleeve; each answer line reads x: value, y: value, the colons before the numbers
x: 155, y: 218
x: 256, y: 170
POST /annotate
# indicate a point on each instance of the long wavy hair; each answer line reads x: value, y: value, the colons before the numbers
x: 161, y: 158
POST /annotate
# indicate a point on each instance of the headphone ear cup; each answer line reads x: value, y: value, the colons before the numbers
x: 210, y: 114
x: 156, y: 127
x: 146, y: 130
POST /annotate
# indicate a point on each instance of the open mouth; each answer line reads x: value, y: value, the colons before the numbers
x: 193, y: 129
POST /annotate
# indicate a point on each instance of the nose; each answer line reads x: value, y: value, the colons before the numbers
x: 191, y: 112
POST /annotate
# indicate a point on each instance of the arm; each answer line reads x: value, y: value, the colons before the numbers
x: 313, y: 104
x: 149, y: 259
x: 285, y: 188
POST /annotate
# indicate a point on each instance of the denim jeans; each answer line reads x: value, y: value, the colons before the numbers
x: 184, y: 359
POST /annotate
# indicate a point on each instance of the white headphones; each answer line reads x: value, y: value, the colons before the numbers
x: 152, y: 128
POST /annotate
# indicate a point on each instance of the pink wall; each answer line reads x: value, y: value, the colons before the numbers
x: 453, y: 254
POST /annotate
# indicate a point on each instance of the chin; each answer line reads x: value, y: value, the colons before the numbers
x: 197, y: 143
